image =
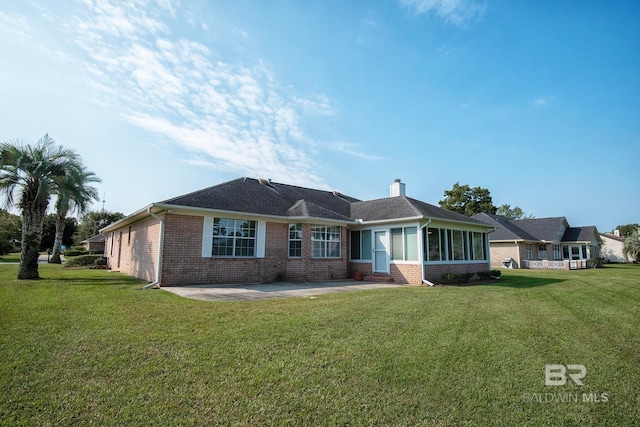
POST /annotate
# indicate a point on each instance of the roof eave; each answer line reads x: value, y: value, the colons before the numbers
x: 387, y: 221
x: 129, y: 219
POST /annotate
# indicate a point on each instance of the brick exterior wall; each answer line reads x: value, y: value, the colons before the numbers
x: 410, y: 273
x: 183, y: 264
x: 364, y: 267
x: 135, y: 253
x: 433, y: 272
x: 406, y: 273
x: 134, y: 250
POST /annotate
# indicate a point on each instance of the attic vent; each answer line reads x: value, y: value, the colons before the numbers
x: 265, y: 181
x: 336, y: 193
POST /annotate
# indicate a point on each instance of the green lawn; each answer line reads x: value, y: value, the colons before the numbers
x: 90, y: 347
x: 13, y: 257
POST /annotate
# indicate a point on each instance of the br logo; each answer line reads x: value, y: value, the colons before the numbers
x: 557, y: 374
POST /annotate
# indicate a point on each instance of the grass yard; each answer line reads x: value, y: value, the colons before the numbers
x: 13, y: 257
x: 87, y: 347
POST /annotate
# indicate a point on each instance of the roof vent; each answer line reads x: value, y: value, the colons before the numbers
x: 265, y: 181
x: 397, y: 188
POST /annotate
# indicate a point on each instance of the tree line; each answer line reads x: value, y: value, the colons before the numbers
x: 75, y: 231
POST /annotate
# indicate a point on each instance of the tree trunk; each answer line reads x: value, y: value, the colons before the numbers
x: 32, y: 221
x: 60, y: 224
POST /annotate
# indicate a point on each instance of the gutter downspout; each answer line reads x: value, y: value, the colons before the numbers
x: 156, y: 284
x: 424, y: 279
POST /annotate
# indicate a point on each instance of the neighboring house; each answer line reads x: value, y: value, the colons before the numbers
x: 613, y: 247
x: 95, y: 243
x: 547, y: 243
x: 249, y: 230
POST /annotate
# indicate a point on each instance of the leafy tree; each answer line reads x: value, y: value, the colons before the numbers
x: 628, y: 230
x: 514, y: 213
x: 49, y: 231
x: 32, y: 173
x: 10, y: 232
x: 74, y: 194
x: 631, y: 248
x: 92, y: 222
x: 468, y: 201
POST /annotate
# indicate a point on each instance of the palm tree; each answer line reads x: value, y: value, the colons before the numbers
x: 32, y: 173
x: 631, y: 248
x: 73, y: 193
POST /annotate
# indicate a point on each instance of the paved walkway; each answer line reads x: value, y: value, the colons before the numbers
x: 272, y: 290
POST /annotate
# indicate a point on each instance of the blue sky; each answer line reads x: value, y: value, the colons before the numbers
x: 538, y: 101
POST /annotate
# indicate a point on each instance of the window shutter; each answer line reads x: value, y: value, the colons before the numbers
x: 207, y: 237
x: 261, y: 231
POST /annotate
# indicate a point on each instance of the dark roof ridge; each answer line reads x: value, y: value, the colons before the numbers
x: 303, y: 204
x: 311, y: 204
x: 334, y: 193
x: 205, y: 189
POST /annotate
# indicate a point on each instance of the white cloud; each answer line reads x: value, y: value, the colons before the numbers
x: 457, y: 12
x: 15, y: 25
x: 354, y: 150
x: 229, y: 116
x: 540, y: 102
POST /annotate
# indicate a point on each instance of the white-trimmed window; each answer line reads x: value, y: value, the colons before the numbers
x: 557, y: 253
x: 434, y: 245
x: 295, y: 240
x: 361, y: 245
x: 478, y: 245
x: 542, y: 251
x: 441, y: 244
x: 325, y: 241
x: 458, y: 245
x: 233, y: 238
x: 404, y: 244
x: 529, y: 251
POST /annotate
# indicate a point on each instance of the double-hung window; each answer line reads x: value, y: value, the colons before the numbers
x: 233, y: 238
x: 295, y: 240
x: 325, y: 241
x: 529, y: 251
x: 542, y: 251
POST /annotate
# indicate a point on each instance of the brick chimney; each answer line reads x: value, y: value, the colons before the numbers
x: 397, y: 188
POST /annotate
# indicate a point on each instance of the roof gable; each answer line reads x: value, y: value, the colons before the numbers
x: 581, y: 234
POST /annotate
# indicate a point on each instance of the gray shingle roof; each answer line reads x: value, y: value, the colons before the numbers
x: 97, y: 238
x: 506, y: 229
x: 536, y: 229
x: 262, y: 197
x: 403, y: 207
x: 580, y: 234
